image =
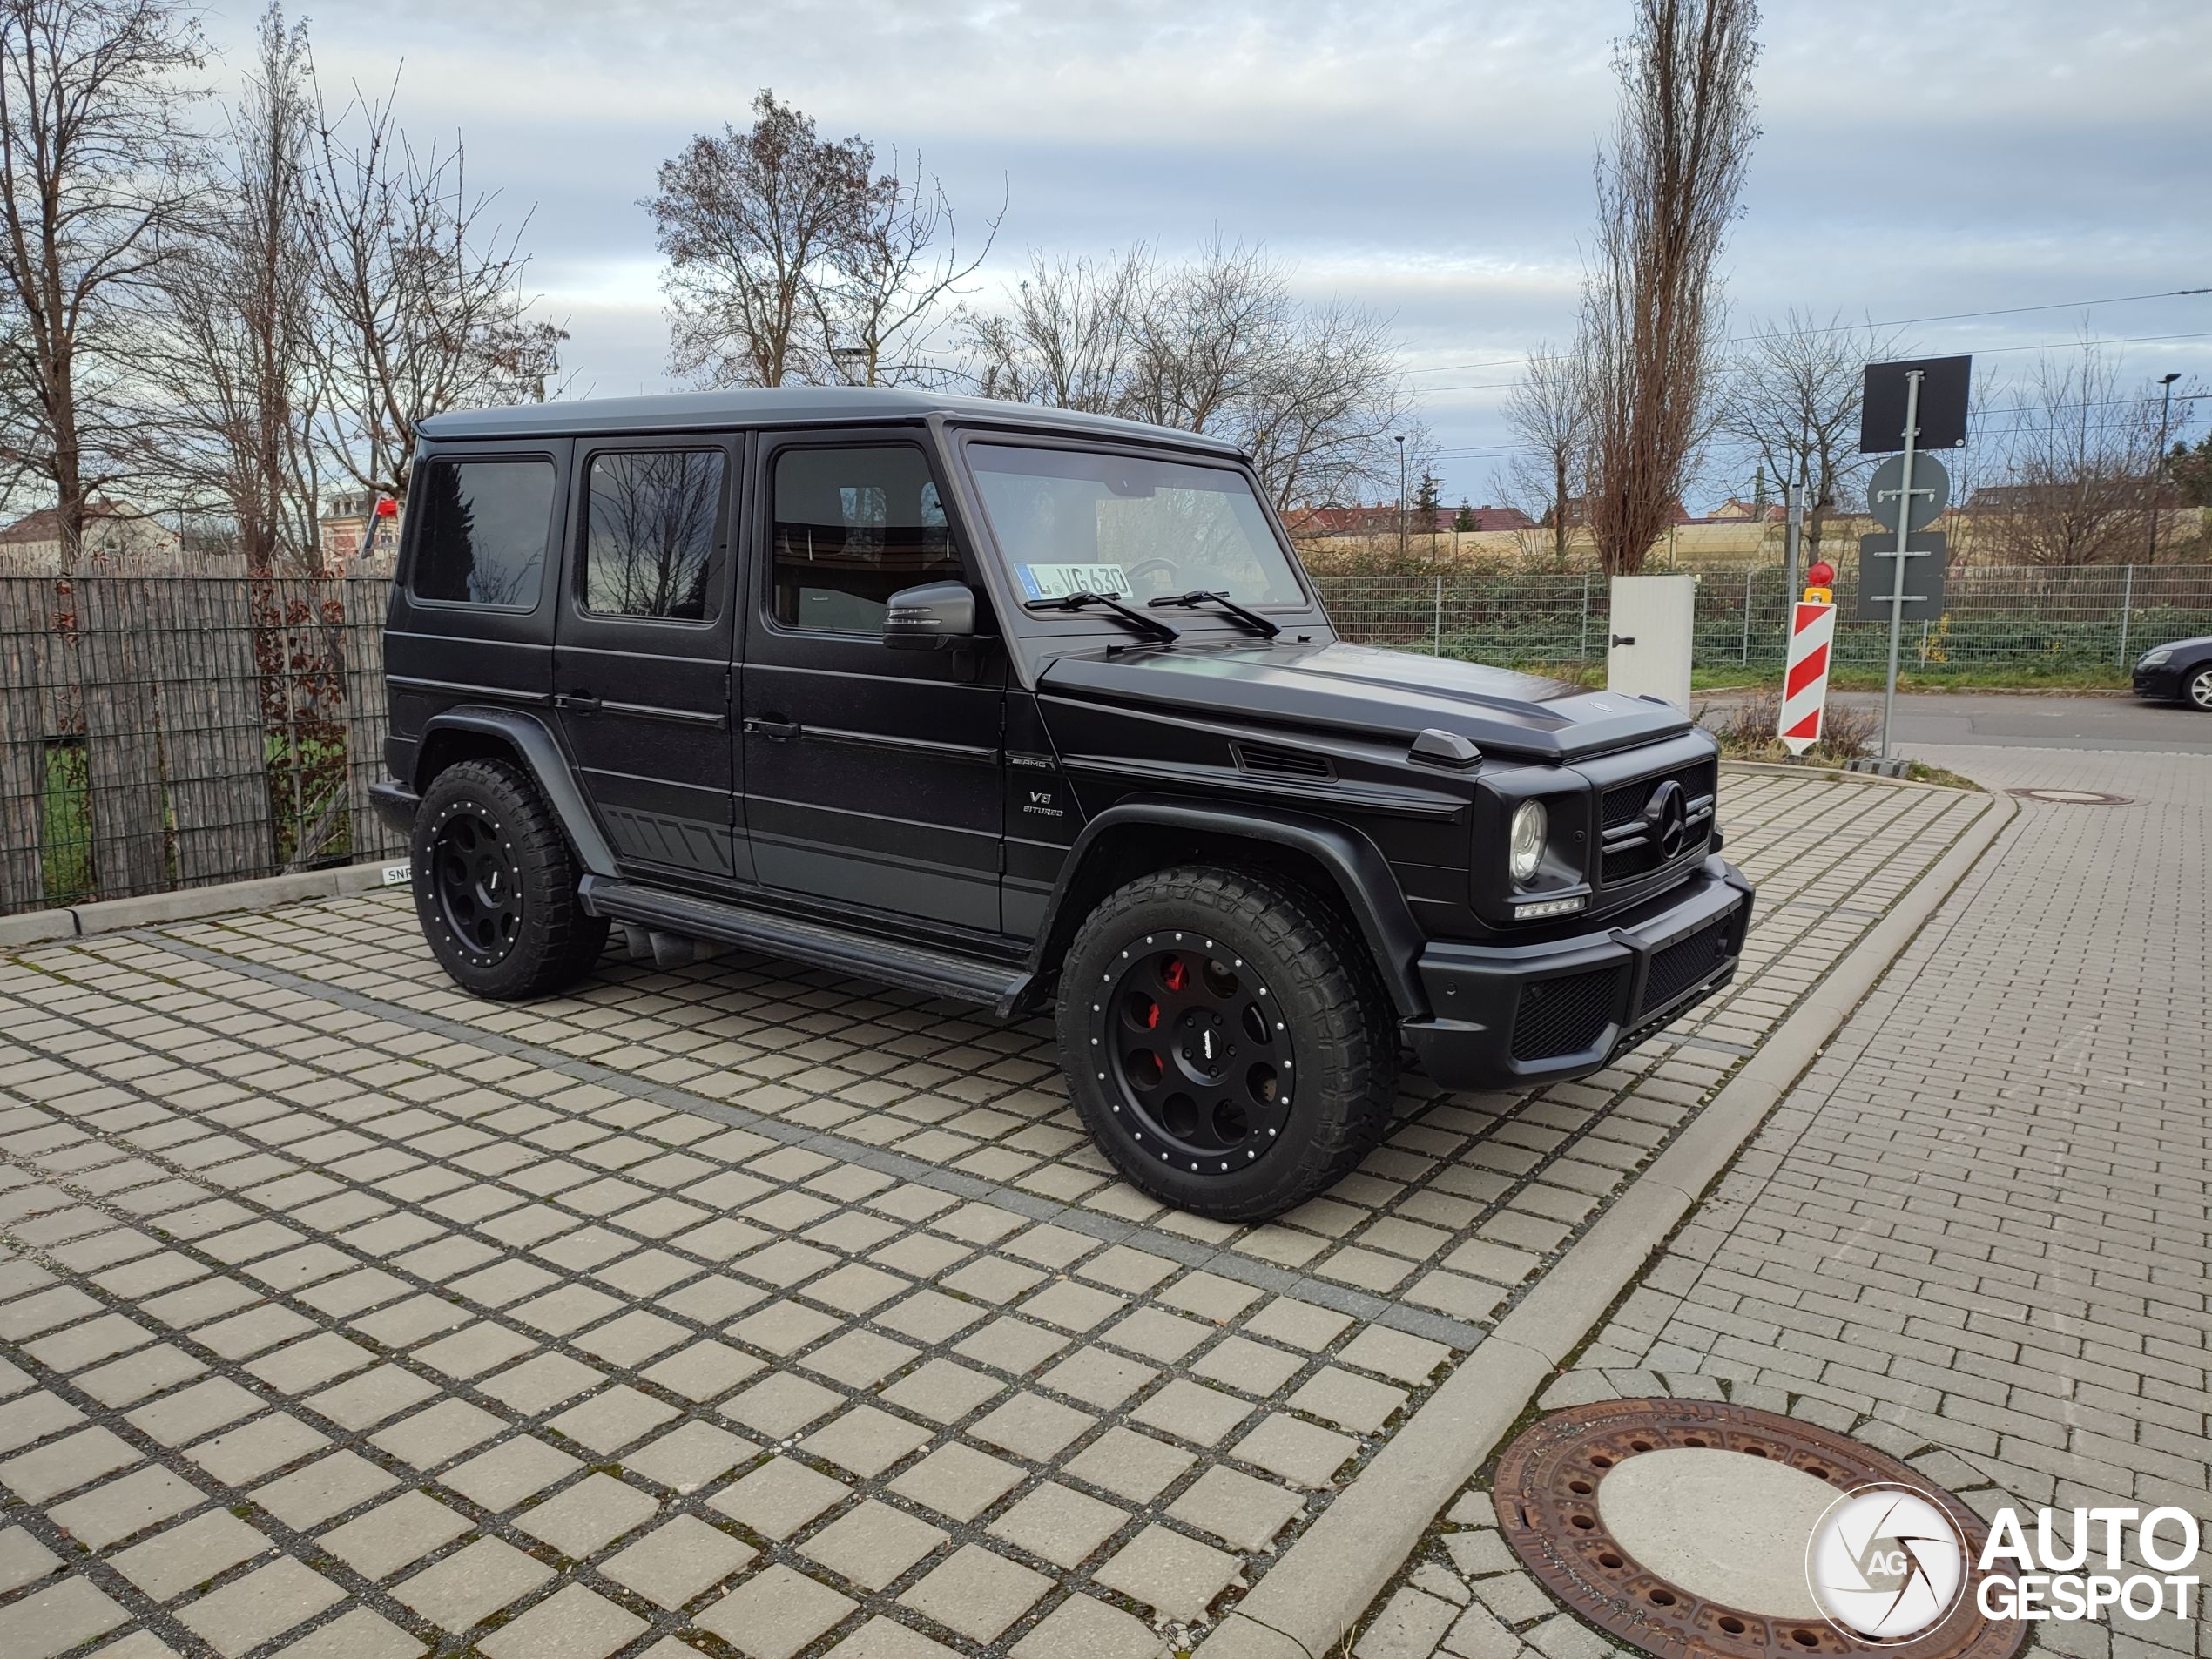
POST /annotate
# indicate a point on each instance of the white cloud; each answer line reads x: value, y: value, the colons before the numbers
x: 1430, y: 159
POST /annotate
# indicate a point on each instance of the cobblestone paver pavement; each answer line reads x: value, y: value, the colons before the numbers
x: 738, y: 1310
x: 1977, y: 1235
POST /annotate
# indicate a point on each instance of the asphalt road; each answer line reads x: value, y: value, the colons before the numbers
x: 1998, y: 720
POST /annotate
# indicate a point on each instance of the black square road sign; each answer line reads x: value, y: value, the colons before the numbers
x: 1943, y: 405
x: 1878, y: 560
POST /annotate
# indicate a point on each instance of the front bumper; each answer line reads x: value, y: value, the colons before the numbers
x: 395, y: 804
x: 2162, y: 684
x: 1507, y: 1016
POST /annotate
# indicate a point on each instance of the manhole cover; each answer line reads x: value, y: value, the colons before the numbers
x: 2072, y: 797
x: 1682, y: 1526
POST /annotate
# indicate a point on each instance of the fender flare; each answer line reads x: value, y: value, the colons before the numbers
x: 1362, y: 875
x: 542, y: 757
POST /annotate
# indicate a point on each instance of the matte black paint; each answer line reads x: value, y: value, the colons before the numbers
x: 934, y: 812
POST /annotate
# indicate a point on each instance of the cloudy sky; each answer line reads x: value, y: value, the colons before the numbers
x: 1430, y: 160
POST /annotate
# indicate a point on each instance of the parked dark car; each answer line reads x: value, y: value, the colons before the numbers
x: 2180, y: 672
x: 1031, y: 709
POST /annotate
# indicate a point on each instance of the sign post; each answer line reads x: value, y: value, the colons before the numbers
x: 1933, y: 395
x: 1912, y: 380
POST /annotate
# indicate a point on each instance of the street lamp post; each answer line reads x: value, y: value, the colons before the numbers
x: 2158, y: 465
x: 1401, y: 501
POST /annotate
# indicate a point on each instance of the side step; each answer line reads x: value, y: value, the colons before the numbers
x: 997, y: 986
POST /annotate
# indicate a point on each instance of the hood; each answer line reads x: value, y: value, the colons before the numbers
x: 1364, y: 691
x: 2180, y: 644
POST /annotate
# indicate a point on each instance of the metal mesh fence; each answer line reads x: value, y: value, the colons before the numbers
x: 2088, y: 620
x: 167, y: 731
x: 162, y: 731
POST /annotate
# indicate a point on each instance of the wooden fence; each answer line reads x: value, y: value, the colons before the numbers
x: 162, y: 731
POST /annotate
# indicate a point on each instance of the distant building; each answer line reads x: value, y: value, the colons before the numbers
x: 1579, y: 512
x: 1733, y: 511
x: 345, y: 526
x: 1382, y: 520
x: 113, y: 530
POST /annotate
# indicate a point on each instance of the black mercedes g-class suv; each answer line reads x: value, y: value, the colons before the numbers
x: 1024, y: 708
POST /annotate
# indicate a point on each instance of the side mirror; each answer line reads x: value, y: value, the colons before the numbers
x: 937, y: 615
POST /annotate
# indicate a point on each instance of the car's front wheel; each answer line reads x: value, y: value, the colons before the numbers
x: 496, y: 885
x: 1225, y: 1042
x: 2196, y: 690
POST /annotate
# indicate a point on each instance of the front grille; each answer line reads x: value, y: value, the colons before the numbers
x: 1682, y: 964
x: 1629, y: 849
x: 1565, y: 1015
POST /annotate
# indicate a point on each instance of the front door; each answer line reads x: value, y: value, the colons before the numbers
x: 641, y: 660
x: 872, y: 776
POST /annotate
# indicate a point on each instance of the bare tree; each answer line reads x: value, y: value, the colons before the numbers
x: 97, y: 169
x: 757, y: 225
x: 1068, y: 335
x: 2081, y: 458
x: 1220, y: 345
x: 421, y: 290
x: 235, y: 366
x: 1792, y: 397
x: 1650, y: 309
x: 1206, y: 335
x: 1548, y: 412
x: 896, y: 274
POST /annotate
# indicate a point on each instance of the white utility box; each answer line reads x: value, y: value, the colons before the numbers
x: 1653, y: 620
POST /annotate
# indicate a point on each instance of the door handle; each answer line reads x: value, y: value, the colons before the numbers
x: 577, y: 701
x: 775, y: 731
x: 1624, y: 639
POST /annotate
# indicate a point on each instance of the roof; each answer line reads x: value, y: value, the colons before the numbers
x: 788, y: 406
x: 45, y: 523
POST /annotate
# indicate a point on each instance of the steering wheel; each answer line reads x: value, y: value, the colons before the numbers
x: 1136, y: 571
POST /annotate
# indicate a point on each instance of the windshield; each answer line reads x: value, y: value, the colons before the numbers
x: 1131, y: 527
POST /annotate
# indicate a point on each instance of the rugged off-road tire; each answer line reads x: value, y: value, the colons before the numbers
x: 1226, y: 1041
x: 2196, y: 691
x: 496, y: 885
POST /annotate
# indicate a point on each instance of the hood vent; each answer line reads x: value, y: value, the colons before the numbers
x: 1264, y: 760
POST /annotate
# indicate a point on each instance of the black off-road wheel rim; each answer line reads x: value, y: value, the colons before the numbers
x: 475, y: 883
x: 1192, y: 1050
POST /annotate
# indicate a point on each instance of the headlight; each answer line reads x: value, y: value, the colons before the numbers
x: 2153, y: 659
x: 1526, y: 845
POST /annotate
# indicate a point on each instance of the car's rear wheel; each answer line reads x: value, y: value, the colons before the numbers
x: 496, y: 885
x: 1225, y: 1042
x: 2196, y: 690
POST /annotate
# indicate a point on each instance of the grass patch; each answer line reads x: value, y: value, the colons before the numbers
x: 66, y: 835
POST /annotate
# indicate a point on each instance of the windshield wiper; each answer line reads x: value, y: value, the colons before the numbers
x: 1150, y: 627
x: 1197, y: 596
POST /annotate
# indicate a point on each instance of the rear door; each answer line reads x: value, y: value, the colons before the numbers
x: 872, y: 776
x: 641, y: 662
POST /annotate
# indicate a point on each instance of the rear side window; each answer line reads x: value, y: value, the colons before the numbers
x: 851, y: 528
x: 650, y: 548
x: 481, y: 530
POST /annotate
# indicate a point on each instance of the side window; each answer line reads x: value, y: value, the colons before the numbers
x: 481, y: 531
x: 851, y: 528
x: 648, y: 534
